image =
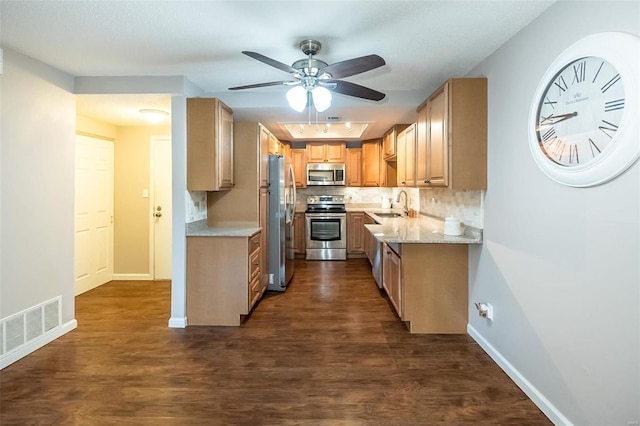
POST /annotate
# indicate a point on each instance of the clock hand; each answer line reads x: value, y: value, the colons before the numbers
x: 563, y: 117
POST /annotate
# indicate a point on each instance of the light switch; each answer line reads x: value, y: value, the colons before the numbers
x: 145, y: 193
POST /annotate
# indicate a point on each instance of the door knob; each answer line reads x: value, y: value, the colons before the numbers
x: 157, y: 214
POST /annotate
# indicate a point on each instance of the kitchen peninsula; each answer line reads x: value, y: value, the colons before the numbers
x: 423, y: 271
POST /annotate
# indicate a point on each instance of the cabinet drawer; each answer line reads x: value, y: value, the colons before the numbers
x: 254, y: 264
x: 254, y: 243
x: 255, y: 291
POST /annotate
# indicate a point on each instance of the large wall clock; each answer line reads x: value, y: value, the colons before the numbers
x: 583, y: 121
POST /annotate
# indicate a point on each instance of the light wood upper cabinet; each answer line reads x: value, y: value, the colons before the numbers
x: 354, y: 167
x: 299, y: 157
x: 264, y: 142
x: 452, y: 136
x: 406, y: 147
x: 389, y: 141
x: 371, y: 162
x: 209, y: 145
x: 274, y: 145
x: 326, y: 152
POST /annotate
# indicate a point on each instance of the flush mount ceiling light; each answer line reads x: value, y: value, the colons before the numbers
x: 154, y: 116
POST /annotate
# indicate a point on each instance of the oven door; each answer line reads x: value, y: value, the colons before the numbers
x: 326, y: 230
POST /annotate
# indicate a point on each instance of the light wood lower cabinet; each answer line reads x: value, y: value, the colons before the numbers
x: 223, y: 278
x: 428, y: 286
x: 355, y: 232
x: 392, y: 277
x: 299, y: 236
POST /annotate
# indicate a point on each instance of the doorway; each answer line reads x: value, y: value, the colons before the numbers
x: 93, y: 212
x: 161, y: 209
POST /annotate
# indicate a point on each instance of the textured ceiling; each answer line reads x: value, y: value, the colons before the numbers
x: 422, y: 42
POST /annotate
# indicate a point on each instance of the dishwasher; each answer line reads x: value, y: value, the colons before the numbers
x: 375, y: 257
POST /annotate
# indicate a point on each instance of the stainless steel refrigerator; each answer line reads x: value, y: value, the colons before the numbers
x: 282, y: 202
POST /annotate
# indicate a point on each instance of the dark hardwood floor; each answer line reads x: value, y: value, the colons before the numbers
x: 328, y: 351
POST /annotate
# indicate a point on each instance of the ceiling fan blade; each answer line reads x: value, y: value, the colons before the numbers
x: 272, y: 62
x: 352, y: 89
x: 271, y: 83
x: 353, y: 66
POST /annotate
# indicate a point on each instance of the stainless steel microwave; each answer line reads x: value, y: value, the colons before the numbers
x: 325, y: 174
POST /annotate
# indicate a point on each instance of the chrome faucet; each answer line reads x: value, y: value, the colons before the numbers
x: 406, y: 209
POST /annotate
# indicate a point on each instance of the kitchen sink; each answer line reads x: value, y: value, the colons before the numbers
x: 384, y: 215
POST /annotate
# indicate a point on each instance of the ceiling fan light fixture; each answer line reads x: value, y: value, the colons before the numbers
x: 297, y: 98
x: 321, y: 98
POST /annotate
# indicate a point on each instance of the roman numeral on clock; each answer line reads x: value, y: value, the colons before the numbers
x: 549, y: 135
x: 594, y: 148
x: 579, y: 72
x: 550, y: 102
x: 610, y: 83
x: 614, y: 105
x: 573, y: 154
x: 608, y: 128
x: 561, y: 84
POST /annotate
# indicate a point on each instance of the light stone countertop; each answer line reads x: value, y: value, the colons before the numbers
x: 200, y: 229
x: 419, y: 230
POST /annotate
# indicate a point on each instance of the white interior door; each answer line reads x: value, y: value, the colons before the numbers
x: 161, y: 207
x: 93, y: 213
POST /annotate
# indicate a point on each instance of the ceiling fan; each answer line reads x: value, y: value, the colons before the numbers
x: 315, y: 79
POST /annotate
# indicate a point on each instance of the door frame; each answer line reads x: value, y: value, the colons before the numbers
x: 152, y: 185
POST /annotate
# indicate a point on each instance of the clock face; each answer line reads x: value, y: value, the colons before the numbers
x: 580, y: 112
x: 583, y: 119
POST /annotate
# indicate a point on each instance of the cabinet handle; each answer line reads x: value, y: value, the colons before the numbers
x: 427, y: 181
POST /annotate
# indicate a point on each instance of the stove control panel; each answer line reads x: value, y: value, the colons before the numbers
x: 325, y: 199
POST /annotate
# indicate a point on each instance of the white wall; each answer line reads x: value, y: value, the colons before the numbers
x: 38, y: 127
x: 560, y: 265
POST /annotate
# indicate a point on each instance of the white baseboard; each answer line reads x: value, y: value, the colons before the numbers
x: 527, y: 387
x: 35, y: 344
x: 132, y: 277
x: 177, y: 322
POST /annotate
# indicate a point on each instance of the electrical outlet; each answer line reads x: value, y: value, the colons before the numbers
x: 485, y: 310
x: 270, y: 278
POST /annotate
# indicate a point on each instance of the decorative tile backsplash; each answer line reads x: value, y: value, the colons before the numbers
x: 196, y: 206
x: 467, y: 206
x: 439, y: 202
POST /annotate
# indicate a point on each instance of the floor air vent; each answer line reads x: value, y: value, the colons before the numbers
x: 21, y: 328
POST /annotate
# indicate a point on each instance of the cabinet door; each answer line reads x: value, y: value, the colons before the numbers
x: 371, y: 163
x: 410, y: 155
x: 225, y: 146
x: 392, y: 277
x: 401, y: 160
x: 209, y: 145
x: 335, y: 153
x: 354, y: 167
x: 389, y: 144
x: 299, y: 157
x: 355, y: 234
x: 264, y: 224
x: 315, y: 153
x: 437, y: 139
x: 422, y: 157
x: 299, y: 237
x: 274, y: 145
x: 264, y: 156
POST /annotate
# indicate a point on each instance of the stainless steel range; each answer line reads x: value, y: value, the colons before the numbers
x: 326, y: 220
